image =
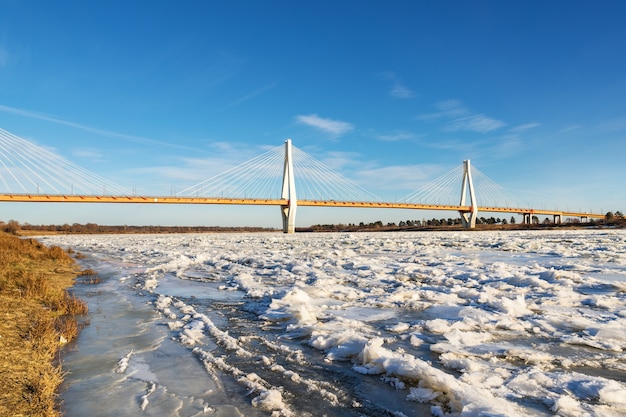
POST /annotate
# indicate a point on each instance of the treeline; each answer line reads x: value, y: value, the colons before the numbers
x: 14, y: 227
x: 617, y: 217
x: 408, y: 224
x: 611, y: 219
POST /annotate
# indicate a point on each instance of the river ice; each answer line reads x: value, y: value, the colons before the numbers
x: 528, y: 323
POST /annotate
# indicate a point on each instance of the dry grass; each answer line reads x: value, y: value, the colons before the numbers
x: 37, y: 316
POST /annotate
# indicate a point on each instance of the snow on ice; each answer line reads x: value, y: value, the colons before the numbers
x: 450, y: 324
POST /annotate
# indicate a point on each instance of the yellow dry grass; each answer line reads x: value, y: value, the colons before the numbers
x: 37, y: 316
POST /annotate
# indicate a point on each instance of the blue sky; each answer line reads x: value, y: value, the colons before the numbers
x: 160, y: 95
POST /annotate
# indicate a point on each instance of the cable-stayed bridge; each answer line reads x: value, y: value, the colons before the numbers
x: 284, y: 176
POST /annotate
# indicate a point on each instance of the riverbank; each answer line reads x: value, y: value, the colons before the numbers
x: 38, y: 316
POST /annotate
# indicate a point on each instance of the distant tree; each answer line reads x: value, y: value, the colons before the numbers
x: 13, y: 226
x: 609, y: 216
x: 512, y: 221
x: 619, y: 215
x: 504, y: 221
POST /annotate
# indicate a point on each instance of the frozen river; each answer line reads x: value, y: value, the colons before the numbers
x: 387, y: 324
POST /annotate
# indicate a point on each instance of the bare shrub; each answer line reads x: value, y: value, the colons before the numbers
x: 67, y: 327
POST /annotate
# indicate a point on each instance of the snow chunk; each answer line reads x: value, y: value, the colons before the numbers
x: 163, y: 302
x: 399, y: 327
x: 339, y: 346
x: 567, y: 406
x: 456, y: 337
x: 295, y: 305
x: 514, y: 307
x: 193, y: 333
x: 422, y: 395
x: 145, y: 399
x: 439, y: 326
x: 269, y: 400
x: 122, y: 364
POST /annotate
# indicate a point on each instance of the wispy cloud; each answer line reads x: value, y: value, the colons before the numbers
x: 446, y: 109
x: 92, y: 154
x: 398, y: 88
x: 507, y: 146
x: 189, y: 171
x: 401, y: 178
x: 186, y: 173
x: 524, y: 127
x: 570, y: 128
x: 252, y: 94
x: 401, y: 91
x: 396, y: 137
x: 60, y: 121
x: 455, y: 117
x: 334, y: 127
x: 342, y: 160
x: 478, y: 123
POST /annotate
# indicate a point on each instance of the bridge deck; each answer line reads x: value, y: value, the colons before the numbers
x: 58, y: 198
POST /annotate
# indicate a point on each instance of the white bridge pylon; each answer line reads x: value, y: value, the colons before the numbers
x: 468, y: 218
x: 288, y: 193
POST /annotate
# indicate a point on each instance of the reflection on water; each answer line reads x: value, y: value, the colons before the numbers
x: 160, y: 370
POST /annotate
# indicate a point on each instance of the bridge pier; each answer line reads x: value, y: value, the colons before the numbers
x: 468, y: 219
x: 288, y: 212
x: 557, y: 219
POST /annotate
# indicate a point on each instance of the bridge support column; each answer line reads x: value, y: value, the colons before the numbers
x: 468, y: 219
x: 556, y: 219
x: 526, y: 219
x: 288, y: 212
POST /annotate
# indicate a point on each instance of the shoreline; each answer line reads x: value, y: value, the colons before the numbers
x: 39, y: 318
x: 33, y: 230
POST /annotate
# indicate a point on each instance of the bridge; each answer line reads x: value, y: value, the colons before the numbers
x: 275, y: 178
